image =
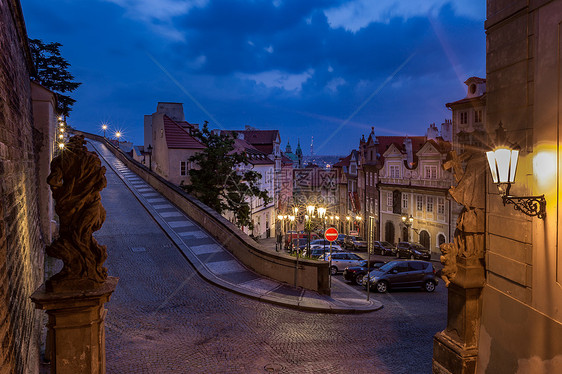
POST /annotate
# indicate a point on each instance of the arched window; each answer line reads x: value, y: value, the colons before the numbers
x: 441, y: 239
x: 389, y: 232
x: 424, y: 239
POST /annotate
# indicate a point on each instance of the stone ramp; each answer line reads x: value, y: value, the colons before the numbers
x: 217, y: 265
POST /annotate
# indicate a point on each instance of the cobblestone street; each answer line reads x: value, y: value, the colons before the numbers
x: 164, y: 318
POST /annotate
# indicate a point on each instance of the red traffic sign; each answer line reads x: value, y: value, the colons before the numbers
x: 331, y: 234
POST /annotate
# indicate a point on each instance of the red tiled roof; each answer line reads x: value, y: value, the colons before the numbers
x: 398, y: 141
x: 178, y: 137
x: 343, y: 162
x: 255, y: 156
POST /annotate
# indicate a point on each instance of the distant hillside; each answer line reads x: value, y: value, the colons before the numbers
x: 321, y: 160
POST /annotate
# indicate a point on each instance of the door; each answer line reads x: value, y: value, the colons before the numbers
x: 424, y: 239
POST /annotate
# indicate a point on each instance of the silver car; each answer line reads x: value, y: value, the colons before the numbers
x: 341, y: 260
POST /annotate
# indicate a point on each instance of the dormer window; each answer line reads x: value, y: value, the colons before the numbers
x: 472, y: 89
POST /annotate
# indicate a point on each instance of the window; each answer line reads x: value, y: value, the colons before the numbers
x: 431, y: 172
x: 404, y: 201
x: 463, y: 118
x: 419, y: 202
x: 430, y: 204
x: 389, y: 199
x: 394, y: 171
x: 478, y: 116
x: 183, y: 168
x: 440, y: 205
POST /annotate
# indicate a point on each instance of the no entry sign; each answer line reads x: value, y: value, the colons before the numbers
x: 331, y: 234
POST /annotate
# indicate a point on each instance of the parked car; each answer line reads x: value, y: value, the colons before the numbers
x: 321, y: 243
x: 384, y: 248
x: 302, y: 238
x: 315, y: 253
x: 402, y: 274
x: 412, y: 250
x: 342, y: 260
x: 340, y: 239
x: 354, y: 242
x: 355, y: 274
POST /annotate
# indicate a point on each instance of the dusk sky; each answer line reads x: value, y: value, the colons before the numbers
x: 331, y: 69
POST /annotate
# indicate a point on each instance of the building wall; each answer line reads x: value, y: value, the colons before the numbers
x: 521, y: 327
x: 21, y: 245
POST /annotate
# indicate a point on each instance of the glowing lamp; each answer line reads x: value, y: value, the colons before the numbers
x: 503, y: 165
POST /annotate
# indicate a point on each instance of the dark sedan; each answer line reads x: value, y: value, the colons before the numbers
x: 354, y: 243
x: 414, y: 251
x: 355, y: 274
x: 384, y: 248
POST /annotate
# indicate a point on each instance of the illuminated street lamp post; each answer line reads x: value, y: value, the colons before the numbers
x: 407, y: 222
x: 322, y: 216
x: 310, y: 210
x: 118, y: 135
x: 104, y: 127
x: 292, y: 221
x: 358, y: 219
x: 348, y: 218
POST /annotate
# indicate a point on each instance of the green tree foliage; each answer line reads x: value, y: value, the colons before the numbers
x: 221, y: 181
x: 51, y: 71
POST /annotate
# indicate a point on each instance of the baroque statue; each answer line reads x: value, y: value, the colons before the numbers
x: 468, y: 191
x: 76, y: 180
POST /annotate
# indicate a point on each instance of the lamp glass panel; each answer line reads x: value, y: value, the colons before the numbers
x: 310, y: 210
x: 503, y: 158
x: 513, y: 165
x: 321, y: 212
x: 492, y: 163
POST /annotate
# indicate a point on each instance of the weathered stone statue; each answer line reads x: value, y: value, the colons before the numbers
x: 76, y: 180
x: 469, y: 236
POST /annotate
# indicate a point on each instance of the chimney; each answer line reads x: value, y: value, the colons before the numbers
x: 409, y: 151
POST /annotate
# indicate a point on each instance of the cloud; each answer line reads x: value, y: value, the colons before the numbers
x: 278, y: 79
x: 358, y: 14
x: 159, y: 14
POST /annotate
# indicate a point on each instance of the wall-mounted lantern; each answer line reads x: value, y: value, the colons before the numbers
x: 503, y: 166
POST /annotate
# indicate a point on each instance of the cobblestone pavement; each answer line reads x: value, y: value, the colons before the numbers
x: 163, y: 318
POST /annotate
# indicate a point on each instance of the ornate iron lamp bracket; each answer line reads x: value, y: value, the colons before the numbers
x: 530, y: 205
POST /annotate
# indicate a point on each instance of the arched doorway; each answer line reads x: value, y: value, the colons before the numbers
x: 389, y: 232
x: 424, y: 239
x: 440, y: 239
x: 405, y: 234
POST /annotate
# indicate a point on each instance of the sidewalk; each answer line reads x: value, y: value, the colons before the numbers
x: 217, y: 265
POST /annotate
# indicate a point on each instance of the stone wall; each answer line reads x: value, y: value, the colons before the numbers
x: 21, y: 246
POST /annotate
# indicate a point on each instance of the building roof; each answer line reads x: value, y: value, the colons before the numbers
x: 398, y: 141
x: 255, y: 156
x: 260, y: 139
x: 467, y: 100
x: 177, y: 137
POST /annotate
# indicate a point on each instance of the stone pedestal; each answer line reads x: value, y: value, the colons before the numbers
x: 76, y: 327
x: 455, y: 349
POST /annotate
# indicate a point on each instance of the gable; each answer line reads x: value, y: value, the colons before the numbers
x: 392, y: 152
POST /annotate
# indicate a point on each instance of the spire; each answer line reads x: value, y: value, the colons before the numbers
x: 288, y: 148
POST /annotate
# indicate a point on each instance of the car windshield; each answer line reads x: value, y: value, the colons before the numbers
x: 387, y: 266
x: 419, y: 247
x: 353, y: 256
x: 386, y: 244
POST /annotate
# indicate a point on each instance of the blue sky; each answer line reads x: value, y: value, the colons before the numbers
x: 331, y: 69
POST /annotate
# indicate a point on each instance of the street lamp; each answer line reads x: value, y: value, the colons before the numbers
x: 358, y: 218
x: 503, y: 165
x: 104, y: 127
x: 118, y: 135
x: 348, y: 218
x: 308, y: 217
x: 322, y: 216
x: 407, y: 221
x: 291, y: 220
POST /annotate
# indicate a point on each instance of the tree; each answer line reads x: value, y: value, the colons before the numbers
x: 222, y: 182
x: 51, y: 71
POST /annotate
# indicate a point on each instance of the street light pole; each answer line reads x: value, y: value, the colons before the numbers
x: 322, y: 215
x: 149, y: 149
x: 407, y: 222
